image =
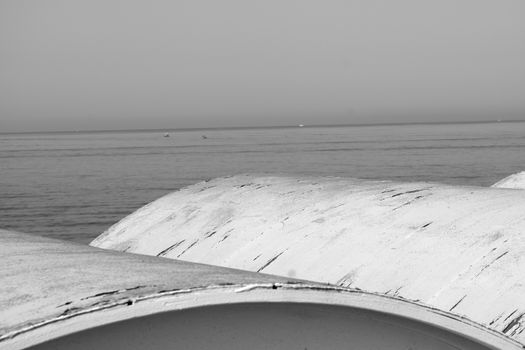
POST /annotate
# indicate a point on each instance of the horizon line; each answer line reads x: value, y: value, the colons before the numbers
x: 171, y: 129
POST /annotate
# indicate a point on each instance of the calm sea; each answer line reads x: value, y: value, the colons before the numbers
x: 75, y: 185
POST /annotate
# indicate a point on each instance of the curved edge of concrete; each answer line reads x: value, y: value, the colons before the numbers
x: 302, y: 293
x: 50, y: 289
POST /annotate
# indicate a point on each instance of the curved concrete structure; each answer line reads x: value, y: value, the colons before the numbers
x: 58, y: 295
x: 457, y: 249
x: 515, y: 181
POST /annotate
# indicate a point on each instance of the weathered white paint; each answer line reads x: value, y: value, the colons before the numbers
x: 515, y: 181
x: 457, y: 249
x: 57, y: 291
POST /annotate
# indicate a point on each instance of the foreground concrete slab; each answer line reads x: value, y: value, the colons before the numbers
x: 58, y: 295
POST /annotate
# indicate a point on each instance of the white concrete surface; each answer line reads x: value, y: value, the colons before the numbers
x: 58, y: 295
x: 456, y: 249
x: 514, y: 181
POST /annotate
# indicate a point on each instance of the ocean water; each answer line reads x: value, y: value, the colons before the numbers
x: 75, y: 185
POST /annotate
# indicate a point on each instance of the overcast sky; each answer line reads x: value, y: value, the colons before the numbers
x: 108, y: 64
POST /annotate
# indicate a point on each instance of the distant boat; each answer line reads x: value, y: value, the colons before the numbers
x: 301, y: 125
x: 204, y: 137
x: 166, y: 135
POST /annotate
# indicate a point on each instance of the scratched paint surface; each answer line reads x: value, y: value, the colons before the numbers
x: 458, y: 249
x: 43, y: 281
x: 49, y: 286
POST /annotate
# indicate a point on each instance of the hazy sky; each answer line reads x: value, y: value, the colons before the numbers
x: 108, y: 64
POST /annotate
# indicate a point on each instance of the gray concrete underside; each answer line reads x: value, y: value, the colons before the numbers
x: 264, y: 326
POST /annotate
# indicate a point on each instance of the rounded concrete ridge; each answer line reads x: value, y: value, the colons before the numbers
x: 514, y: 181
x: 452, y: 248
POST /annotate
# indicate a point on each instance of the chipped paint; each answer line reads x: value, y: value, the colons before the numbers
x: 171, y: 247
x: 93, y: 287
x: 269, y: 262
x: 448, y: 247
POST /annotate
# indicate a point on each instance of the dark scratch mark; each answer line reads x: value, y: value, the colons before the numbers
x: 223, y: 238
x: 168, y: 290
x: 512, y: 313
x: 501, y: 255
x: 270, y: 261
x: 494, y: 320
x: 66, y: 303
x: 283, y: 220
x: 407, y: 203
x: 101, y: 294
x: 69, y: 311
x: 426, y: 225
x: 345, y: 278
x: 513, y: 323
x: 102, y: 303
x: 386, y: 191
x: 210, y: 234
x: 185, y: 250
x: 408, y: 192
x: 112, y: 292
x: 456, y: 304
x: 244, y: 185
x: 492, y: 262
x: 257, y: 257
x: 171, y: 247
